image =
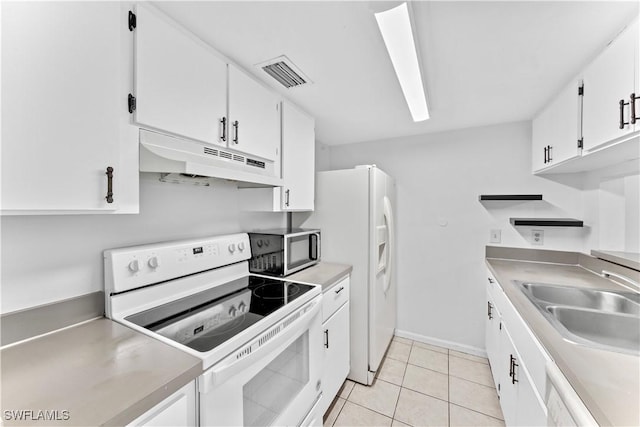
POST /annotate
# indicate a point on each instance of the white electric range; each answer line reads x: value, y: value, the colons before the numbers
x: 259, y: 337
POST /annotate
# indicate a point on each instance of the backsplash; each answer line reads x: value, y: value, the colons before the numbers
x: 51, y: 258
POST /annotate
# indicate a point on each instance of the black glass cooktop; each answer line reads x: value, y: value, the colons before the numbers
x: 207, y: 319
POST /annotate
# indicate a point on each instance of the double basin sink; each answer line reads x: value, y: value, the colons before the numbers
x: 596, y: 318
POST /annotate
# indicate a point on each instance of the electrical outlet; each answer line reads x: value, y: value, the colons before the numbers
x: 495, y: 236
x: 537, y: 237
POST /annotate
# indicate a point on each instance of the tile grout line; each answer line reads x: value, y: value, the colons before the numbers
x: 368, y: 409
x: 477, y: 412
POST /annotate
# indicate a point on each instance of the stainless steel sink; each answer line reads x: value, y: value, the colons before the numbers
x: 591, y: 317
x: 611, y: 330
x: 615, y: 302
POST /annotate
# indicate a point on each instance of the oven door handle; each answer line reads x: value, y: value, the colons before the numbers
x: 250, y: 353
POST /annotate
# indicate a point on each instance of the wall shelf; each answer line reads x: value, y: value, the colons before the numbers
x: 509, y: 197
x: 546, y: 222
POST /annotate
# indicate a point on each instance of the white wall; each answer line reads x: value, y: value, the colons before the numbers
x: 49, y: 258
x: 323, y: 157
x: 443, y: 228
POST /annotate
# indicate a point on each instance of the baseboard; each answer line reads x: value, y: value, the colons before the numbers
x: 476, y: 351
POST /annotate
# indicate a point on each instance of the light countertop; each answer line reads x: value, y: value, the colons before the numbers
x: 101, y: 372
x: 326, y: 274
x: 628, y: 259
x: 607, y: 382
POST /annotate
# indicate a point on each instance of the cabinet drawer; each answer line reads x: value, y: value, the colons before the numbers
x: 334, y: 298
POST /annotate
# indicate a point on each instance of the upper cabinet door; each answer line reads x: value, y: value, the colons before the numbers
x: 180, y: 84
x: 298, y: 159
x: 609, y: 79
x: 557, y: 129
x: 254, y: 116
x: 63, y: 105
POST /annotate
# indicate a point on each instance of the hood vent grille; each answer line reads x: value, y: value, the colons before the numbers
x: 285, y: 72
x: 235, y: 157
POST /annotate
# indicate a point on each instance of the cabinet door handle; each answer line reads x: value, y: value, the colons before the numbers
x: 340, y: 290
x: 326, y: 338
x: 286, y: 197
x: 490, y: 279
x: 632, y: 103
x: 489, y: 307
x: 622, y: 122
x: 109, y: 174
x: 545, y: 155
x: 514, y: 365
x: 549, y: 159
x: 235, y: 126
x: 224, y: 129
x: 511, y: 365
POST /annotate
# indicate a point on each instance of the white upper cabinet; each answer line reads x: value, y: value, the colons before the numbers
x: 64, y: 115
x: 608, y: 80
x: 298, y: 168
x: 298, y: 159
x: 557, y: 129
x: 254, y: 116
x: 180, y: 84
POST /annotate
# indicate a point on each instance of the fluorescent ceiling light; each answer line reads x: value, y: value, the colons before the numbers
x: 395, y: 27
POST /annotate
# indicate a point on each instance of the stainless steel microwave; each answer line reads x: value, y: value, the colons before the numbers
x: 282, y: 252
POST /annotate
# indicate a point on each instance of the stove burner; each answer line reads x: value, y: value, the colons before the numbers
x: 200, y: 320
x: 234, y: 323
x: 266, y: 291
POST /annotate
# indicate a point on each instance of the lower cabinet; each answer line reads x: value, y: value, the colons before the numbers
x: 512, y: 365
x: 519, y: 402
x: 335, y: 329
x: 179, y: 409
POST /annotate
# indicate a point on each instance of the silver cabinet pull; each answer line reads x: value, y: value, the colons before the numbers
x: 235, y: 126
x: 224, y: 129
x: 286, y: 197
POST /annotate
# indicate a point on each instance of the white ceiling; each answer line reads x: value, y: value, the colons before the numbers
x: 484, y: 62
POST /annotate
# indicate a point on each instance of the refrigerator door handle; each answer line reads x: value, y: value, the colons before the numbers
x: 388, y: 218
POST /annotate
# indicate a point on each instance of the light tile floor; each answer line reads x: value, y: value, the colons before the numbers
x: 421, y: 385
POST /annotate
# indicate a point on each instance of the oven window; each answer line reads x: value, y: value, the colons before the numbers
x: 298, y: 248
x: 268, y: 393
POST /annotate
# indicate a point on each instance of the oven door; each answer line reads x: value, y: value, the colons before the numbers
x: 300, y: 251
x: 273, y: 380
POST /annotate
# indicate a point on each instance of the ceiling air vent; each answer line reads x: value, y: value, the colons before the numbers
x: 285, y: 72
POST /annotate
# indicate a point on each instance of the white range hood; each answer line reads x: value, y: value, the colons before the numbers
x: 166, y: 154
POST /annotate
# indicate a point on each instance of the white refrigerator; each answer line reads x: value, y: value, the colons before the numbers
x: 354, y: 212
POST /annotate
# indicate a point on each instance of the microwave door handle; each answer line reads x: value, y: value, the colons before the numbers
x: 232, y: 366
x: 314, y: 247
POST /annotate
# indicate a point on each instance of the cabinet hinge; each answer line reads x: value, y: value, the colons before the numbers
x: 580, y: 142
x: 581, y: 90
x: 132, y: 21
x: 132, y: 103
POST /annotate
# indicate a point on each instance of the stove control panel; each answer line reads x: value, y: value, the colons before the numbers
x: 137, y: 266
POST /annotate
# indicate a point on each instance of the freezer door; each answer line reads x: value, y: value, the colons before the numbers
x: 382, y: 290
